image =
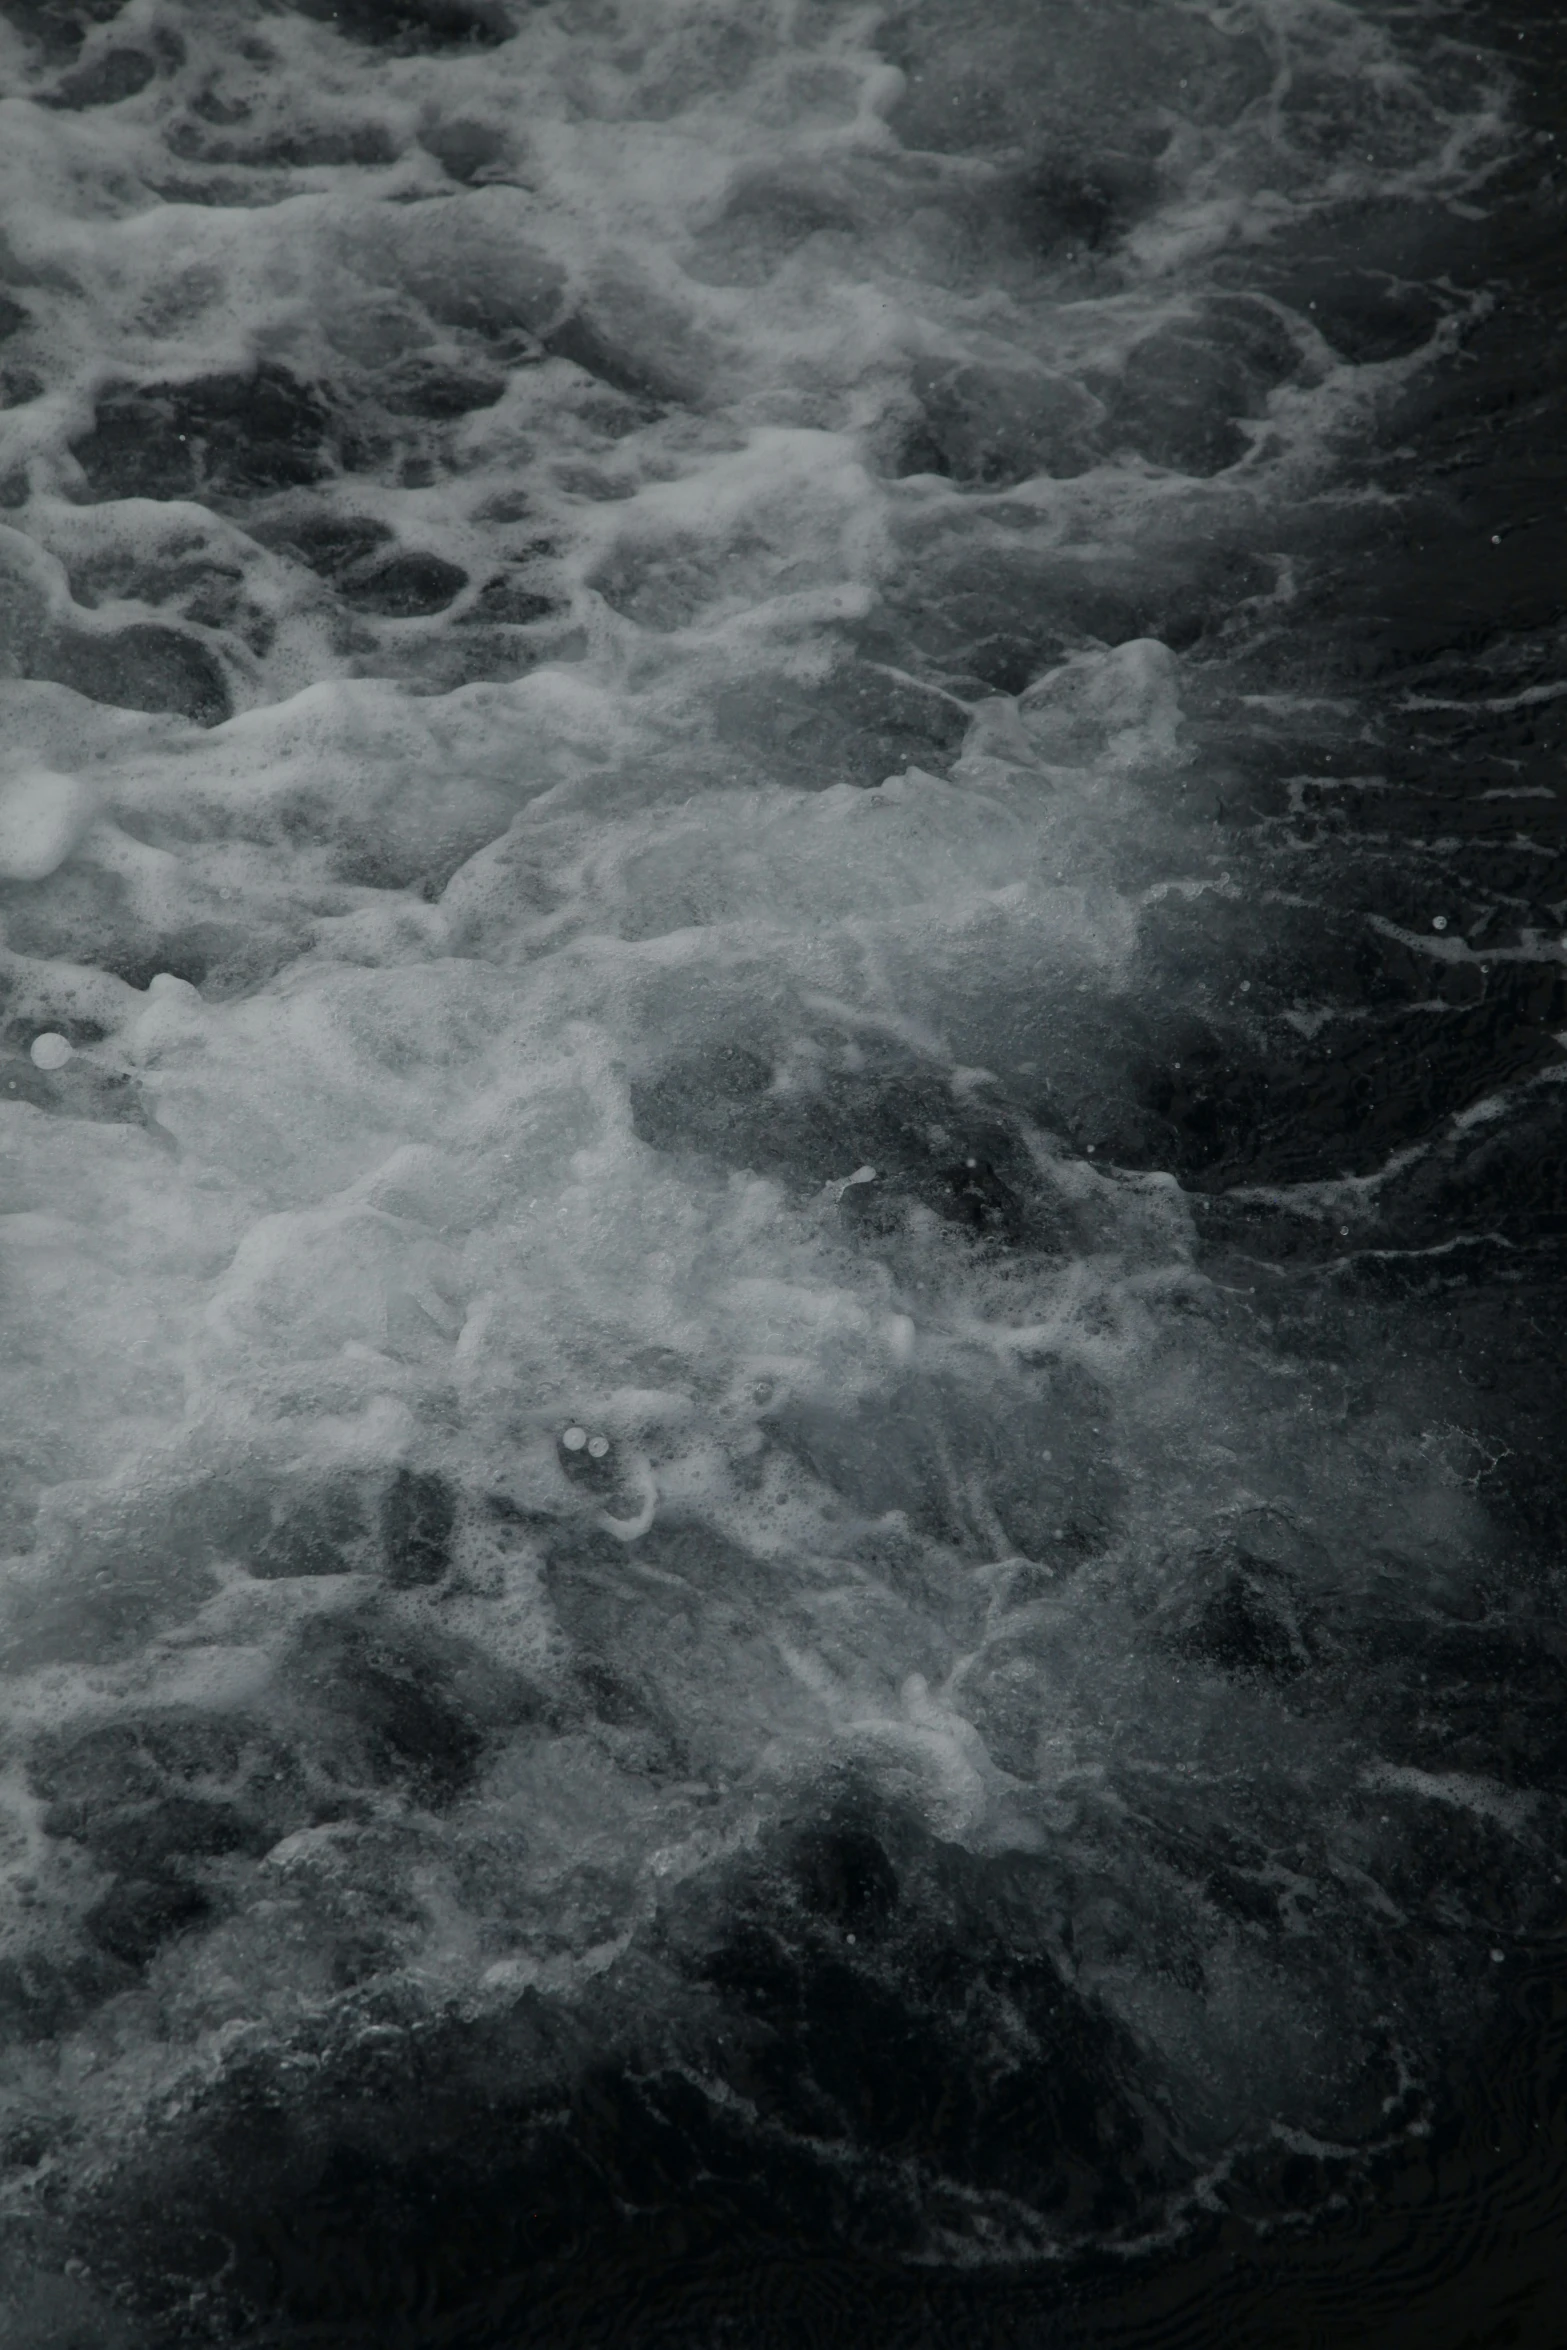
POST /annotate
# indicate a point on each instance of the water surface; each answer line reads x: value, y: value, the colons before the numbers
x: 783, y: 944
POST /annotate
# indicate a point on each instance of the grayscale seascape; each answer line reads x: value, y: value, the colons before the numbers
x: 782, y: 944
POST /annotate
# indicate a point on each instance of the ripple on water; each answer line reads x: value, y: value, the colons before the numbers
x: 779, y: 1026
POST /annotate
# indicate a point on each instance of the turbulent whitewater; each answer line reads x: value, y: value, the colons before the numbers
x: 726, y: 1493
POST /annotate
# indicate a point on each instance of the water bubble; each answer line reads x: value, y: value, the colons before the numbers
x: 51, y: 1050
x: 845, y: 1183
x: 42, y: 817
x: 574, y: 1439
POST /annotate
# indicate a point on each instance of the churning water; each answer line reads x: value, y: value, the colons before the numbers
x: 780, y: 1140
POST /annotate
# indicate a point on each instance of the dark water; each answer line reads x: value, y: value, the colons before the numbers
x: 784, y: 942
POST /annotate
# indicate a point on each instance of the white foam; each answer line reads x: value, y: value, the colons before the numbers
x: 42, y: 817
x: 345, y: 1168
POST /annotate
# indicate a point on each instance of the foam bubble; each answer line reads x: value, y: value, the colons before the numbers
x: 42, y: 818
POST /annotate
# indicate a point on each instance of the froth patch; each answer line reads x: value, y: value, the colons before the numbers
x: 42, y: 817
x: 617, y: 1429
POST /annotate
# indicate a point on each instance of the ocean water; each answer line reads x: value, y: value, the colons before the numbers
x: 781, y: 1148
